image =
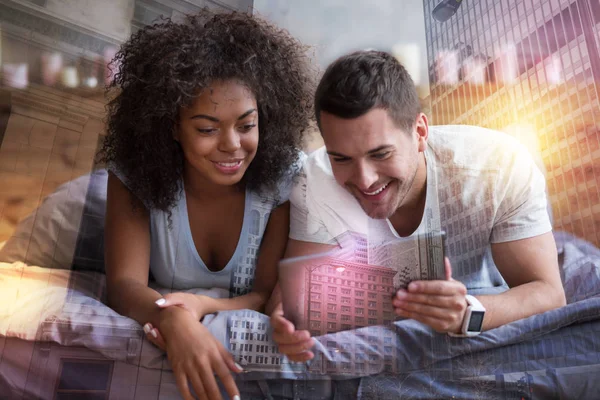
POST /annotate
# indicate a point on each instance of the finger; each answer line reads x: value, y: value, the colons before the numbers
x: 160, y: 341
x: 222, y: 371
x: 448, y: 268
x: 302, y: 357
x: 171, y: 299
x: 421, y: 309
x: 296, y: 348
x: 199, y: 385
x: 152, y: 336
x: 209, y: 383
x: 290, y: 338
x: 233, y: 366
x: 439, y: 288
x: 281, y: 325
x: 182, y: 384
x: 451, y: 303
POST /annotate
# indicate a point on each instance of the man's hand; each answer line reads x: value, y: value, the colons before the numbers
x: 292, y: 343
x: 439, y: 304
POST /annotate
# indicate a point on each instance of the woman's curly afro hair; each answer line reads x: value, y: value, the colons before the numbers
x: 164, y: 66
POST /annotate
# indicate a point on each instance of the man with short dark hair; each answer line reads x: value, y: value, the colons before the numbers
x: 384, y: 173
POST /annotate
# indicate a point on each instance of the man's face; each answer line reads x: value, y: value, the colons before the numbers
x: 374, y: 159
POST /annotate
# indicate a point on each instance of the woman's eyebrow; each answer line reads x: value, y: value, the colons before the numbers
x: 215, y: 119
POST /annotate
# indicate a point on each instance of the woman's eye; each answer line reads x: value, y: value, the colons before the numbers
x: 247, y: 127
x: 207, y: 130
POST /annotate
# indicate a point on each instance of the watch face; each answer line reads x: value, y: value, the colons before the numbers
x: 476, y: 321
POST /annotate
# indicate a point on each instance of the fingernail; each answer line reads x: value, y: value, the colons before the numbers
x: 413, y: 286
x: 160, y: 302
x: 238, y: 366
x: 147, y: 329
x: 153, y: 333
x: 236, y: 397
x: 401, y: 293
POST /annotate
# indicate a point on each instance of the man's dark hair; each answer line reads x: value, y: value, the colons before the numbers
x: 361, y: 81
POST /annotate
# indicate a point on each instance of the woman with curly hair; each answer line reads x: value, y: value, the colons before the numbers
x: 204, y: 133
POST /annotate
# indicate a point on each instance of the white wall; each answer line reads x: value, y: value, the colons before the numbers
x: 109, y: 17
x: 336, y: 27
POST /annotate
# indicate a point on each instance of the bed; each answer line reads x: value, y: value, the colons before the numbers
x: 58, y: 339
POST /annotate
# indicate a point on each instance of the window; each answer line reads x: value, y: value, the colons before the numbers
x: 315, y: 324
x: 359, y: 293
x: 372, y: 278
x: 359, y: 311
x: 331, y: 325
x: 315, y: 314
x: 345, y: 309
x: 372, y: 295
x: 359, y: 302
x: 346, y: 326
x: 372, y: 321
x: 345, y: 291
x: 315, y: 296
x: 332, y: 289
x: 331, y: 307
x: 372, y: 313
x: 84, y: 379
x: 254, y: 222
x: 332, y: 297
x: 314, y: 304
x: 331, y: 315
x: 372, y: 304
x: 345, y: 317
x: 315, y: 287
x: 345, y: 300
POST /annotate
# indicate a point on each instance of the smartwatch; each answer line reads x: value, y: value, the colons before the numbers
x: 473, y: 320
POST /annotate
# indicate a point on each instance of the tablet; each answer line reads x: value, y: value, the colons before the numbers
x: 341, y: 290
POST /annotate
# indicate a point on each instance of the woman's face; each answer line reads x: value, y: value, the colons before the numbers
x: 218, y: 132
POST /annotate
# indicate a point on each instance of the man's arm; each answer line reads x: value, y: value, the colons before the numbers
x: 529, y: 266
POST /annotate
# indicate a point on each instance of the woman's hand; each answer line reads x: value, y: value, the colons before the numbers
x: 196, y: 356
x: 193, y: 303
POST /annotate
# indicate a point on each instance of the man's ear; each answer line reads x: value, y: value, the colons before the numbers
x: 422, y: 131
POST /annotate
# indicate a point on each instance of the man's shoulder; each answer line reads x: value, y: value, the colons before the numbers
x: 317, y: 163
x: 472, y: 147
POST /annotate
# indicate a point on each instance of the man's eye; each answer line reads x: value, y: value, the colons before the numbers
x: 340, y: 159
x: 380, y: 156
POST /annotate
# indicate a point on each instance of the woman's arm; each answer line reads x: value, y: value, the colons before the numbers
x: 271, y: 251
x: 127, y: 255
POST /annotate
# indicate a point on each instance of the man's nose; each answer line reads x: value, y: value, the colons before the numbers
x: 364, y: 176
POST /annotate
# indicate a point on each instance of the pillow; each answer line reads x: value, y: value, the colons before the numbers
x: 67, y: 230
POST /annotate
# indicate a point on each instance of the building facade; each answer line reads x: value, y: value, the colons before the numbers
x: 530, y: 68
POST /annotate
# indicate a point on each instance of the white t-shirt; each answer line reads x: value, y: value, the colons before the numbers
x: 482, y: 187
